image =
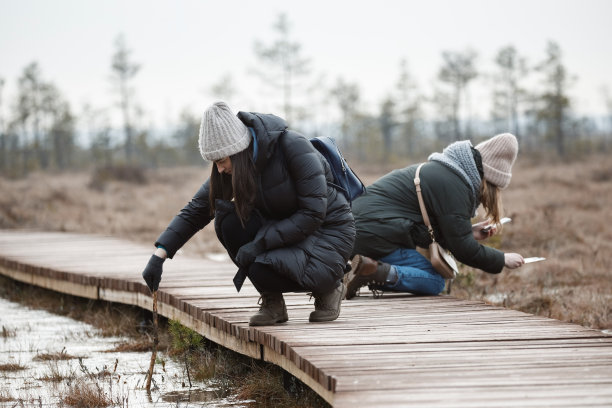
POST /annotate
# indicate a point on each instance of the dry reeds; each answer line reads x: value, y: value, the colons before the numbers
x: 86, y: 395
x: 11, y: 367
x: 7, y: 332
x: 110, y: 318
x: 559, y: 211
x: 55, y: 356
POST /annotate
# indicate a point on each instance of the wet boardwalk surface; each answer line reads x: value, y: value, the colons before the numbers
x: 396, y: 351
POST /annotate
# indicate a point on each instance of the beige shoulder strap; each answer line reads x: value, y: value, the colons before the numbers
x: 417, y: 183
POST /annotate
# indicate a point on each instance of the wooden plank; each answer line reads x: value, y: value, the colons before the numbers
x: 397, y: 351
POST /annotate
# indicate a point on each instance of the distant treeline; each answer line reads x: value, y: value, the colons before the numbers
x: 530, y: 100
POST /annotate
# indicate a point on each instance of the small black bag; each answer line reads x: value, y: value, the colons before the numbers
x: 345, y: 179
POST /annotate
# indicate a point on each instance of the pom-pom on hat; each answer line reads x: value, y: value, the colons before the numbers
x: 498, y: 155
x: 222, y: 134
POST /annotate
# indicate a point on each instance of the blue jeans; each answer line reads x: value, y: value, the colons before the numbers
x: 414, y: 272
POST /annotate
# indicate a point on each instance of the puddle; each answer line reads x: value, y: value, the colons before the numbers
x: 46, y: 357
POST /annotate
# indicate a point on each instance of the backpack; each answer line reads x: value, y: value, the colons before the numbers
x: 345, y: 179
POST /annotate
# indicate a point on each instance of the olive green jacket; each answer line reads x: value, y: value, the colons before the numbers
x: 388, y: 217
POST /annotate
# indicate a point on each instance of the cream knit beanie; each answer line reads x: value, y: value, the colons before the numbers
x: 222, y: 134
x: 498, y: 155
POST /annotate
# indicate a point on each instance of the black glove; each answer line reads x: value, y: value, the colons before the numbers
x: 248, y: 252
x: 153, y: 272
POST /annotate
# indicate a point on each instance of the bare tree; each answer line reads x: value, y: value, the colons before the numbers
x: 285, y: 63
x: 98, y: 128
x: 39, y: 112
x: 458, y: 70
x: 347, y: 96
x: 387, y: 125
x: 554, y: 101
x: 62, y: 136
x: 507, y: 92
x: 124, y: 70
x: 185, y: 136
x: 408, y: 106
x: 28, y: 114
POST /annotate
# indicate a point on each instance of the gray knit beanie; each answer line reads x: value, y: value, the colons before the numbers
x: 498, y: 155
x: 222, y: 134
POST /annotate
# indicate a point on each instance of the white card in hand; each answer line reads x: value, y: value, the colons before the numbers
x: 502, y: 221
x: 534, y: 259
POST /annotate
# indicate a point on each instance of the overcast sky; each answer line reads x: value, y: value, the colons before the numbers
x: 185, y: 46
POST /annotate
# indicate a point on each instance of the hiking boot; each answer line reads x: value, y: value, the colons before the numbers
x: 327, y: 305
x: 365, y: 271
x: 272, y: 310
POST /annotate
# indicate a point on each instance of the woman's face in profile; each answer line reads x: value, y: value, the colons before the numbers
x: 224, y: 165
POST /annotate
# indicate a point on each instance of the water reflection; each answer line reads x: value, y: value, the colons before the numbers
x: 46, y: 359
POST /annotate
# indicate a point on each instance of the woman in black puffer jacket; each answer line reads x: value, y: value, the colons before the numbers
x: 282, y: 223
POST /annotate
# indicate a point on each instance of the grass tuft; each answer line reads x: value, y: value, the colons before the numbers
x: 11, y: 367
x: 55, y: 374
x: 57, y: 356
x: 133, y: 345
x: 5, y: 396
x: 7, y: 332
x: 86, y: 395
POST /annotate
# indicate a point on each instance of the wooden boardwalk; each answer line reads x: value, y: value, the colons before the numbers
x: 397, y: 351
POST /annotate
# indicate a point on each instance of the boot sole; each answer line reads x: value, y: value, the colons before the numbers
x: 355, y: 263
x: 270, y: 322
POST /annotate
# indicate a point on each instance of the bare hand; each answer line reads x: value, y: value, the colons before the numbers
x: 512, y: 260
x: 480, y: 234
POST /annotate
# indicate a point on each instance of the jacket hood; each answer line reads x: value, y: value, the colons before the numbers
x: 268, y: 129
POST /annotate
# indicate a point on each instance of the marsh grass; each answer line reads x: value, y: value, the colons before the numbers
x: 268, y: 385
x: 112, y: 319
x: 244, y: 377
x: 84, y: 394
x: 56, y: 356
x: 56, y: 372
x: 11, y: 367
x: 138, y: 345
x: 7, y: 332
x: 232, y: 373
x: 5, y: 396
x: 559, y: 211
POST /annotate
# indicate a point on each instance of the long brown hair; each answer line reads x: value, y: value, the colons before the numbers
x: 240, y: 185
x: 490, y: 197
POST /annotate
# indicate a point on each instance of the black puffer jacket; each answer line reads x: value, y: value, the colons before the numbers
x: 309, y: 230
x: 388, y: 216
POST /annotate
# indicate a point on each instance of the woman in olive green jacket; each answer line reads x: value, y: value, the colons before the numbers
x: 454, y: 183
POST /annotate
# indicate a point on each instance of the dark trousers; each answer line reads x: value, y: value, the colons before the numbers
x: 233, y: 235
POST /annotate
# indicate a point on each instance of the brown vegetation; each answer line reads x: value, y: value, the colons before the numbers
x: 9, y: 367
x: 558, y: 210
x: 233, y: 373
x: 112, y: 319
x: 56, y: 356
x: 86, y: 395
x: 7, y: 332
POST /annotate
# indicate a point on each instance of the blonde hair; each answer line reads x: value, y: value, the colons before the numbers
x: 490, y: 198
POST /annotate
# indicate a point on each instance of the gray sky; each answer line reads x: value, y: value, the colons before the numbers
x: 185, y: 46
